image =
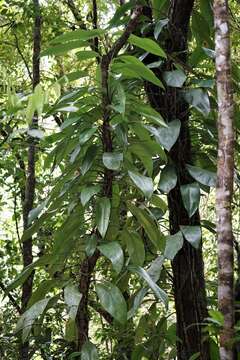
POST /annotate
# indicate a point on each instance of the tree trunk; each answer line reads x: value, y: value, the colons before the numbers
x: 30, y: 176
x: 225, y: 176
x: 187, y: 266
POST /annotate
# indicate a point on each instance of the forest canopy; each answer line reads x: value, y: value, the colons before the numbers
x: 119, y: 197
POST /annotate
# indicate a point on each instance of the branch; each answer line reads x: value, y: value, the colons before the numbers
x: 22, y: 56
x: 11, y: 298
x: 76, y: 13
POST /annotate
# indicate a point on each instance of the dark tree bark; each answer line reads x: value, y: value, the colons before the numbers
x: 225, y: 176
x: 30, y: 175
x: 88, y: 265
x: 187, y: 266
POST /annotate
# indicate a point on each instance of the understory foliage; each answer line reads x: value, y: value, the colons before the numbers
x: 101, y: 242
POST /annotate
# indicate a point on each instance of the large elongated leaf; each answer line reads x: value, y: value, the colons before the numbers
x: 135, y: 247
x: 86, y: 135
x: 147, y: 45
x: 103, y: 209
x: 142, y: 71
x: 203, y: 176
x: 28, y: 318
x: 112, y: 301
x: 192, y: 234
x: 88, y: 192
x: 191, y: 197
x: 79, y: 34
x: 88, y: 159
x: 72, y: 298
x: 174, y: 243
x: 63, y: 48
x: 168, y: 179
x: 114, y: 253
x: 161, y: 295
x: 144, y: 183
x: 89, y: 351
x: 150, y: 227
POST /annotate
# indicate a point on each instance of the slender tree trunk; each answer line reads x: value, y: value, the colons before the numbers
x: 187, y: 266
x: 30, y: 176
x: 225, y: 176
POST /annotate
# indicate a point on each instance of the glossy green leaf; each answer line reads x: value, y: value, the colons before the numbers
x: 144, y: 183
x: 203, y: 176
x: 161, y: 295
x: 79, y: 34
x: 168, y: 179
x: 147, y: 45
x: 112, y: 160
x: 114, y: 253
x: 198, y: 99
x: 112, y: 301
x: 89, y: 351
x: 86, y: 55
x: 192, y: 234
x: 149, y: 225
x: 159, y: 26
x: 174, y: 243
x: 72, y: 298
x: 142, y: 71
x: 28, y: 318
x: 63, y: 48
x: 119, y: 98
x: 191, y: 197
x: 88, y: 192
x: 88, y: 159
x: 91, y: 245
x: 86, y: 135
x: 175, y: 78
x: 167, y: 136
x: 135, y: 247
x: 103, y: 209
x: 149, y: 113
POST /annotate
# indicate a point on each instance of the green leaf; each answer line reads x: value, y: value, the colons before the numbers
x: 195, y: 356
x: 86, y: 54
x: 91, y: 245
x: 103, y: 209
x: 88, y: 192
x: 27, y: 319
x: 114, y: 253
x: 149, y: 113
x: 198, y: 99
x: 161, y: 295
x: 192, y: 234
x: 63, y: 48
x: 72, y: 298
x: 86, y: 135
x: 159, y: 26
x: 144, y: 154
x: 88, y: 159
x: 147, y: 45
x: 191, y: 197
x: 72, y: 76
x: 112, y: 301
x: 144, y: 183
x: 140, y: 69
x: 168, y: 179
x: 203, y: 176
x: 167, y: 136
x: 149, y: 225
x: 174, y: 243
x: 112, y: 160
x: 175, y: 78
x: 89, y: 351
x: 79, y: 34
x: 135, y: 247
x: 119, y: 98
x: 34, y: 213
